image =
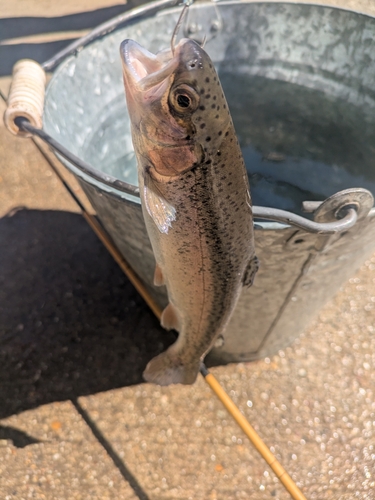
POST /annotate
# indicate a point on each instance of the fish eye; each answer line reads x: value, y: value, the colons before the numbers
x: 184, y: 99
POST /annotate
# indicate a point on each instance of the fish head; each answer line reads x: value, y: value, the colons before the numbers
x: 177, y: 108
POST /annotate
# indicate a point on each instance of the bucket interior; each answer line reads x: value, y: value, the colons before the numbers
x: 299, y: 80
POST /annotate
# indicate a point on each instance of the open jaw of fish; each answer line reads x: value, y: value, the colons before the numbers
x: 195, y: 198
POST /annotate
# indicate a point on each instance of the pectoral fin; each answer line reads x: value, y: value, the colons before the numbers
x: 158, y: 276
x: 159, y: 209
x: 250, y: 272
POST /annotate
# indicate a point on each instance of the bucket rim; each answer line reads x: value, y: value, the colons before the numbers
x: 160, y: 6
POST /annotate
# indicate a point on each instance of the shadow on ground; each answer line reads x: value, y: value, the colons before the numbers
x: 71, y: 324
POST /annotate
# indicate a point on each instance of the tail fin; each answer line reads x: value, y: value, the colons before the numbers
x: 167, y: 368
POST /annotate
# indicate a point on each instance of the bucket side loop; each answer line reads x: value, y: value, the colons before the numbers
x: 359, y: 199
x: 348, y: 220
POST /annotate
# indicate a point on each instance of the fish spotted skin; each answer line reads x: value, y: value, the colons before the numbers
x: 195, y: 199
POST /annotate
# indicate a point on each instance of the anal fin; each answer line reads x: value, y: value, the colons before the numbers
x: 169, y: 318
x: 250, y: 272
x: 158, y: 276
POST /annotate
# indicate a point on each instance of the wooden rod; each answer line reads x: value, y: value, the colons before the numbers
x: 255, y: 439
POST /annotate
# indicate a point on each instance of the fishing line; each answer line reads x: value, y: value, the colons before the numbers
x: 178, y: 26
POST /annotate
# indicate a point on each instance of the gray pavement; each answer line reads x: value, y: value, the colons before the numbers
x: 76, y: 420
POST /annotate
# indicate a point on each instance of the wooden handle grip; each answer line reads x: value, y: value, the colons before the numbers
x: 26, y: 96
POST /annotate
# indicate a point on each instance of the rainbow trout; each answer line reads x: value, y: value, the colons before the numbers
x: 195, y: 198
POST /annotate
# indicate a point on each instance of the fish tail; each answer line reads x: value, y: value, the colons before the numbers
x: 167, y: 368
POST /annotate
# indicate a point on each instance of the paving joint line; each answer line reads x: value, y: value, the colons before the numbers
x: 124, y: 471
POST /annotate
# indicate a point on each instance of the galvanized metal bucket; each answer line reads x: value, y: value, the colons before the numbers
x: 300, y: 82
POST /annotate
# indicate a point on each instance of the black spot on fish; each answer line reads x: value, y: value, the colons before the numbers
x: 207, y: 96
x: 217, y: 116
x: 226, y: 133
x: 225, y: 107
x: 219, y: 153
x: 208, y: 139
x: 218, y: 107
x: 214, y: 98
x: 202, y: 125
x: 202, y: 91
x: 202, y: 108
x: 213, y: 106
x: 220, y: 133
x: 207, y: 79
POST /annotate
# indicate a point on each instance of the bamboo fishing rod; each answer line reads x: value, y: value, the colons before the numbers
x: 247, y: 428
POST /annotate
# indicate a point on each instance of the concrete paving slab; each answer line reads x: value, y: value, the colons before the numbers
x: 181, y: 443
x: 72, y: 327
x: 50, y: 8
x: 65, y: 460
x: 313, y: 404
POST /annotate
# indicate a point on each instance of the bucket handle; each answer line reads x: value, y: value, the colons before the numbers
x: 337, y: 213
x: 23, y: 117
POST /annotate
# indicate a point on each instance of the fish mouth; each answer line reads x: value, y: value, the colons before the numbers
x: 143, y: 69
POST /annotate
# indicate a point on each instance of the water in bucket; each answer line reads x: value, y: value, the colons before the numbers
x: 291, y: 136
